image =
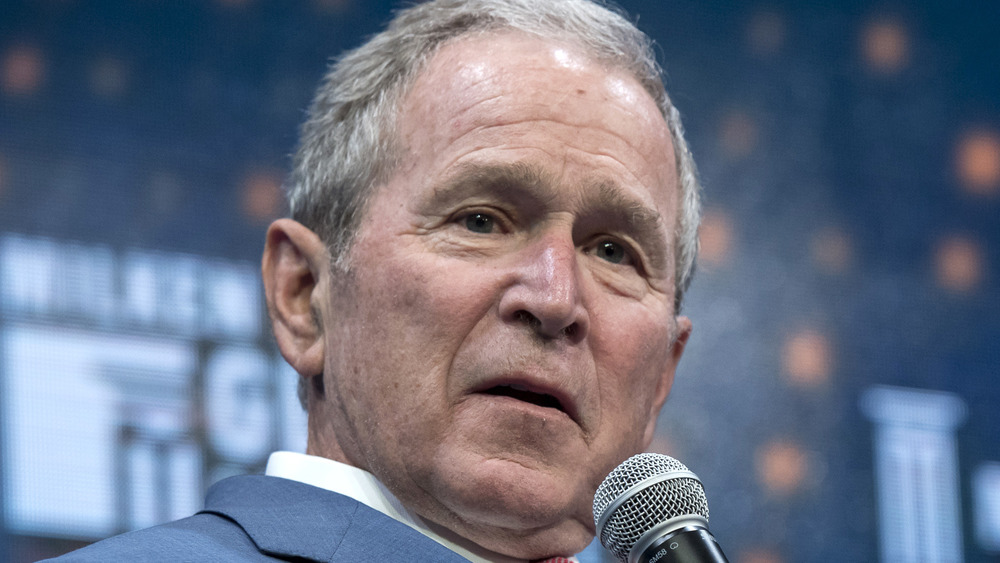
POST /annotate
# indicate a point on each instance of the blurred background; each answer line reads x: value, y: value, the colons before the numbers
x: 837, y: 398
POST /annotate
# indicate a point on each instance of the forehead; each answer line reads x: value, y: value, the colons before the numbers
x: 512, y: 90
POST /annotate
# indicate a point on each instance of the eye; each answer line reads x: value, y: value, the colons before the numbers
x: 612, y: 252
x: 480, y: 223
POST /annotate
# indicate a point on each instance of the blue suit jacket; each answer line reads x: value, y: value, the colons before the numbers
x: 259, y: 518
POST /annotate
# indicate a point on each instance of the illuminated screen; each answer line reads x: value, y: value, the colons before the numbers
x: 131, y: 380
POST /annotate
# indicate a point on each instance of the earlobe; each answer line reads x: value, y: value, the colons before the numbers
x: 667, y: 378
x: 294, y: 267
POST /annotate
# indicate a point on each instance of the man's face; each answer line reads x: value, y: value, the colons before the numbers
x: 505, y: 333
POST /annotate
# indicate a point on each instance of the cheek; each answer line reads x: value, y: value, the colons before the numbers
x: 632, y: 357
x: 431, y: 292
x: 417, y: 310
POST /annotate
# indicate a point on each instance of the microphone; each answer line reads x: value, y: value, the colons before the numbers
x: 652, y: 509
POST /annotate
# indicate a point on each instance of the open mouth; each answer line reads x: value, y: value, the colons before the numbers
x: 522, y: 393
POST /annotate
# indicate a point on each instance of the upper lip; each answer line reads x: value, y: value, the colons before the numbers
x: 524, y: 384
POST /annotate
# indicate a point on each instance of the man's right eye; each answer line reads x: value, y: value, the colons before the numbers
x: 480, y: 223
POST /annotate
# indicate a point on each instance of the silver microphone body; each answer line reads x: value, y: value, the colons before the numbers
x: 652, y: 509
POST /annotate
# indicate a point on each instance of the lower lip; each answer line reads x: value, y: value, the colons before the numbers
x: 510, y: 403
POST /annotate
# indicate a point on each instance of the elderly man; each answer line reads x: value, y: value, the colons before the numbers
x: 494, y: 220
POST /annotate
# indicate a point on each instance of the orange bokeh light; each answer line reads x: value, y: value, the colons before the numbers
x: 262, y: 199
x: 759, y: 555
x: 715, y: 236
x: 832, y: 250
x: 959, y: 264
x: 885, y: 45
x: 23, y: 70
x: 807, y: 358
x: 766, y: 32
x: 738, y: 135
x: 781, y: 467
x: 978, y: 162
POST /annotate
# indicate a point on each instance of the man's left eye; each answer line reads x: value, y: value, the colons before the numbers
x: 612, y: 252
x: 480, y: 223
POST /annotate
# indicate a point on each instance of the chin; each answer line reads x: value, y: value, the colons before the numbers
x: 521, y: 512
x: 567, y: 538
x: 516, y: 496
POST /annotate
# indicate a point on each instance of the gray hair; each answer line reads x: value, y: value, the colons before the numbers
x: 348, y: 144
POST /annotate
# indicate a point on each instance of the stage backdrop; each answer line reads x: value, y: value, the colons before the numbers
x: 838, y: 396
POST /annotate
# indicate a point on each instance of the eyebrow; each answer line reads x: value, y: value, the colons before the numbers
x: 519, y: 179
x: 632, y: 216
x: 603, y: 198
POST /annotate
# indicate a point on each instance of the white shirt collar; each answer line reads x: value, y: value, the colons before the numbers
x: 363, y: 487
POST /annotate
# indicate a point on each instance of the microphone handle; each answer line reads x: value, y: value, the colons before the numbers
x: 690, y: 544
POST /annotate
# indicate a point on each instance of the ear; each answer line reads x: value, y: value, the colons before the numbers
x: 294, y: 266
x: 666, y: 378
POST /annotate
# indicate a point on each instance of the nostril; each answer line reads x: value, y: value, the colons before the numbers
x: 527, y: 318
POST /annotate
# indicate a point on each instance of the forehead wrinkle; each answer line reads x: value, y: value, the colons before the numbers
x: 636, y: 218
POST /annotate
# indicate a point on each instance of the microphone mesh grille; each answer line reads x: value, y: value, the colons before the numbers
x: 648, y: 506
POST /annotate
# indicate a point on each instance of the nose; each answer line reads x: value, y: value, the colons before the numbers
x: 545, y: 294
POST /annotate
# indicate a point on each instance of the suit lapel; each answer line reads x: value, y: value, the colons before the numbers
x: 290, y: 519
